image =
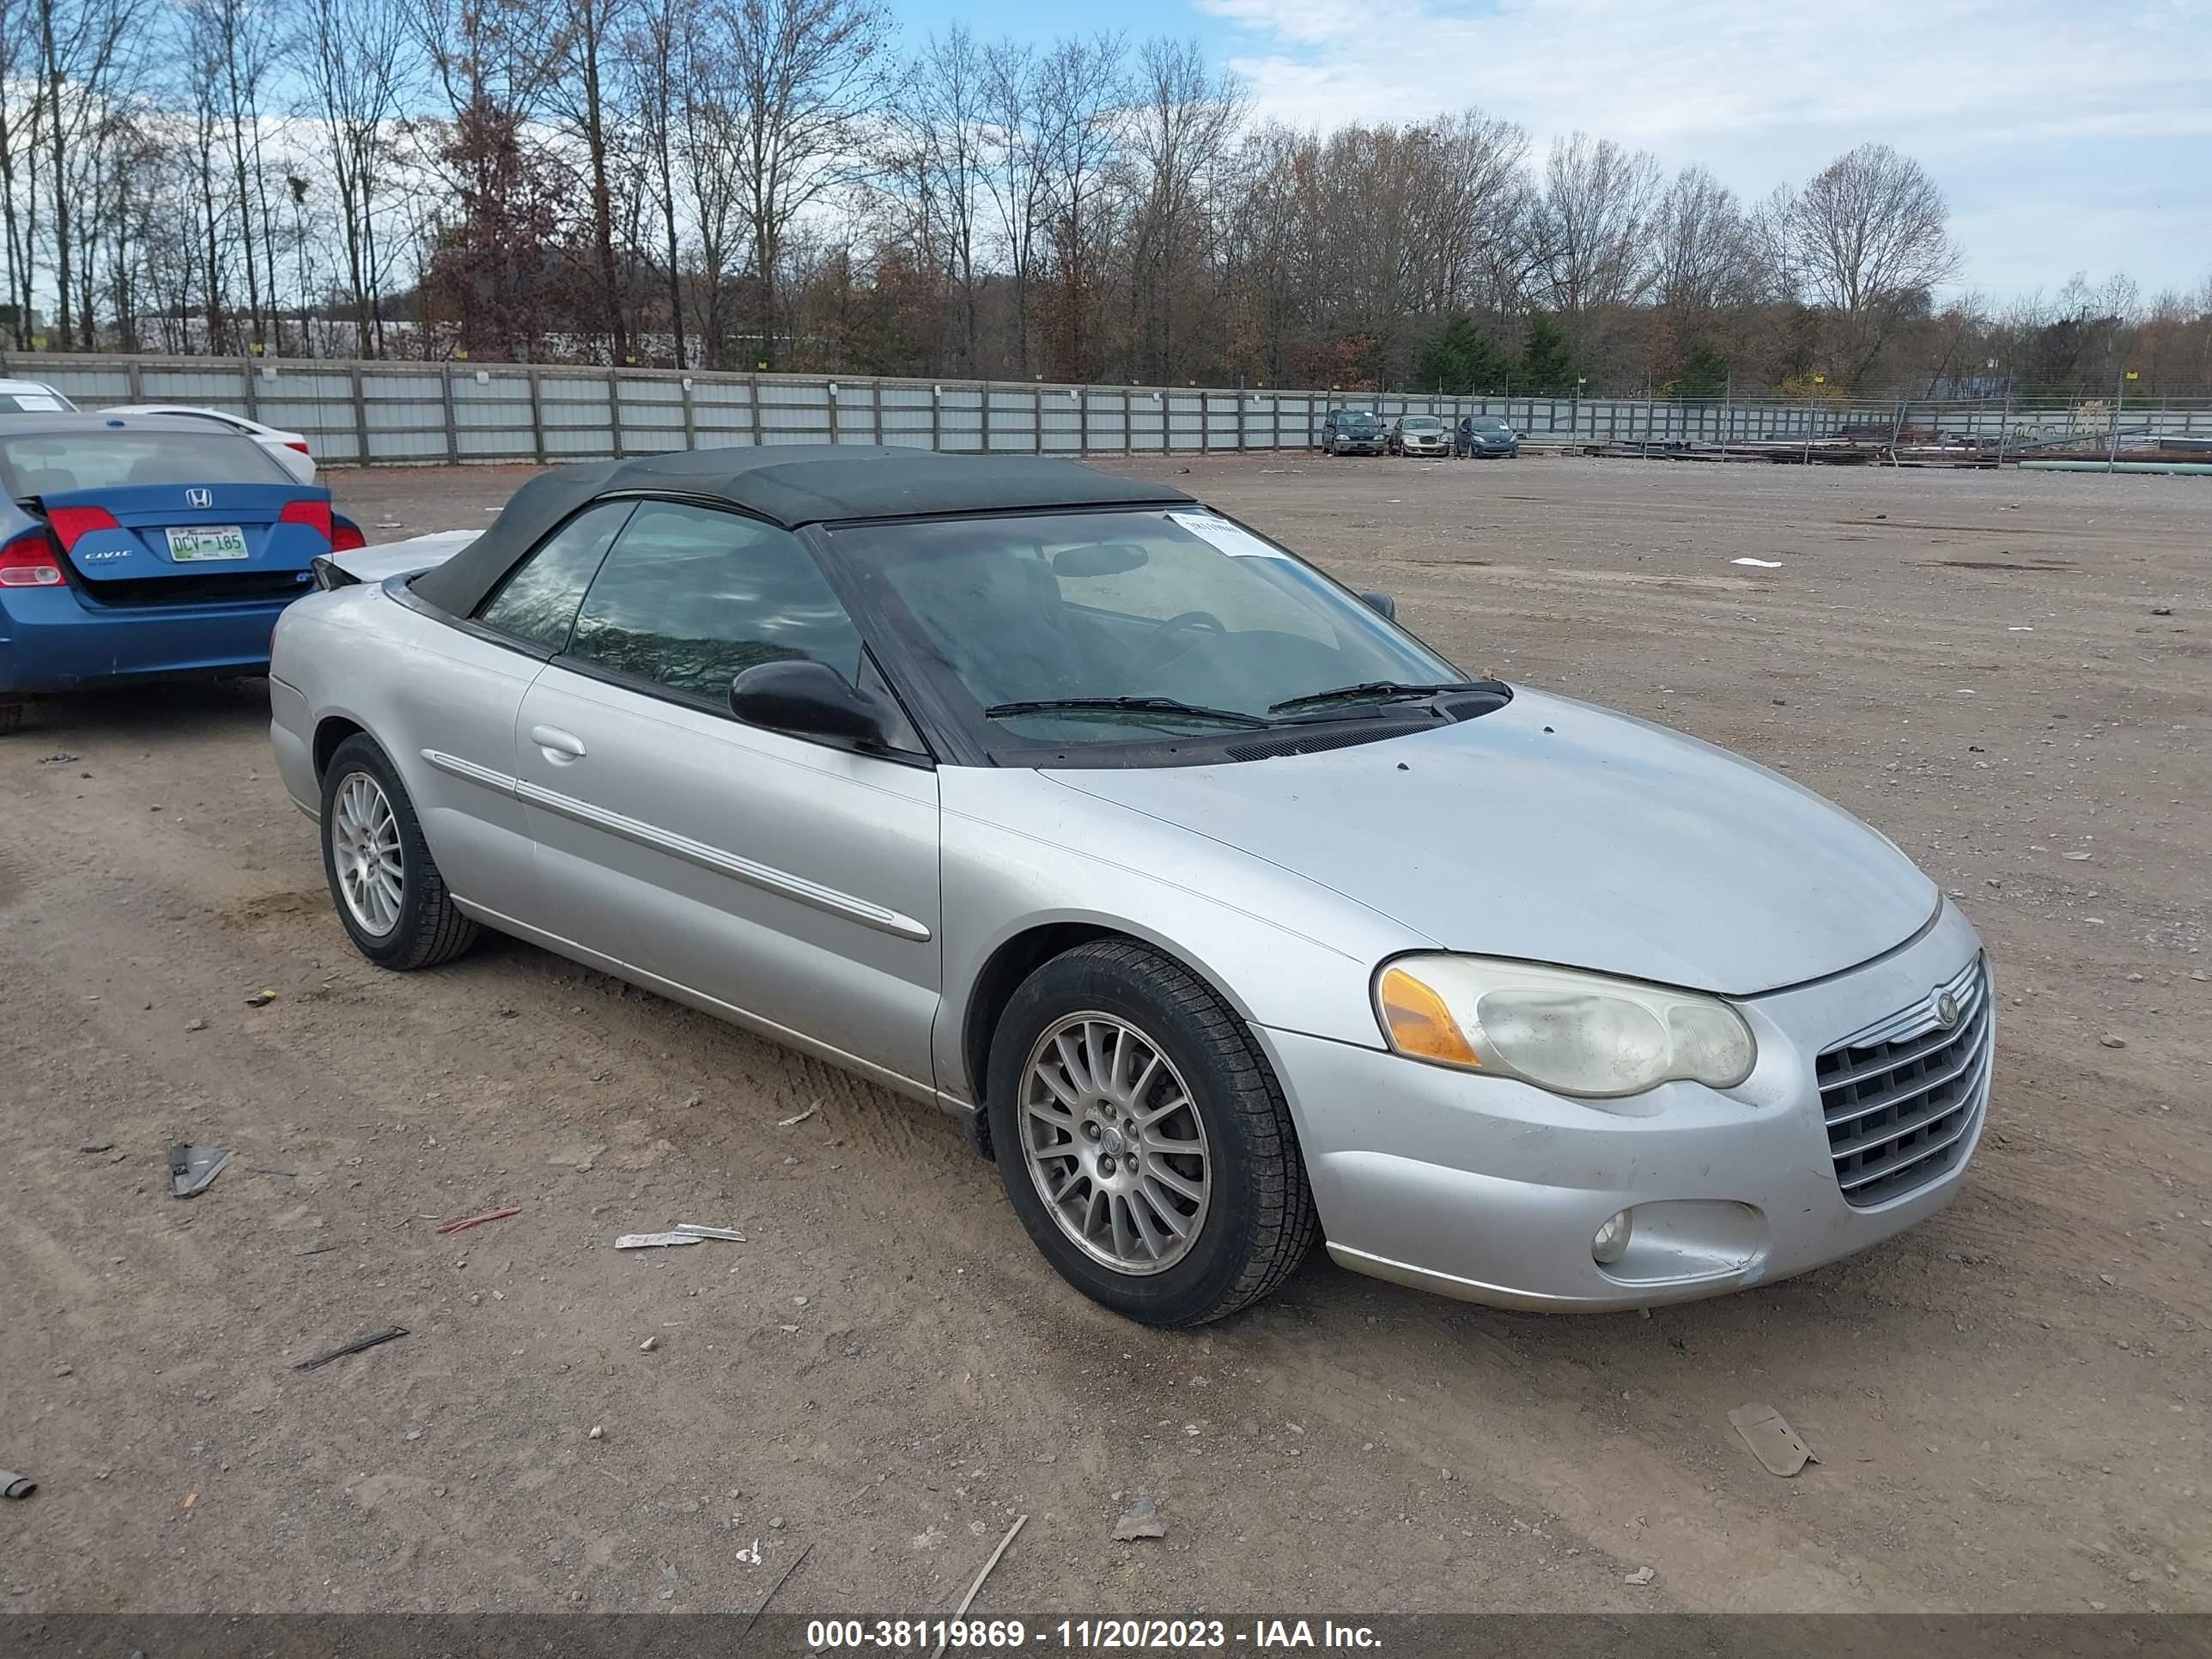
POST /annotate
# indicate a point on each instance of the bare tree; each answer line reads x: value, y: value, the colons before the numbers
x: 1595, y: 219
x: 1868, y: 239
x: 1078, y: 96
x: 1700, y: 245
x: 355, y: 53
x: 580, y: 93
x: 1179, y: 128
x: 804, y: 75
x: 86, y: 48
x: 658, y: 49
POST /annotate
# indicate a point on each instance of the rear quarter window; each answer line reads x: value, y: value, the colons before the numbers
x: 65, y: 463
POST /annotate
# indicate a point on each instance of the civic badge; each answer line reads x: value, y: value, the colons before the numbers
x: 1947, y: 1010
x: 199, y: 498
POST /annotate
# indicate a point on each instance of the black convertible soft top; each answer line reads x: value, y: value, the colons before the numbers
x: 789, y: 484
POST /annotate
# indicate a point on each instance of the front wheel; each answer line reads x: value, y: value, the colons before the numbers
x: 389, y: 894
x: 1142, y: 1140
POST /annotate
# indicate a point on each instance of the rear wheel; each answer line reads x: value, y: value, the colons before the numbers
x: 385, y: 885
x: 11, y: 717
x: 1143, y: 1140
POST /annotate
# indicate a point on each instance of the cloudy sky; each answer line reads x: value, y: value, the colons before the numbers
x: 2069, y: 135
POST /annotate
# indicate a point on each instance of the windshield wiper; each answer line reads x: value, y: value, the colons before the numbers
x: 1121, y: 705
x: 1369, y: 692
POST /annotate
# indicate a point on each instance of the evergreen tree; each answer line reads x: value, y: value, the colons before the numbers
x: 1547, y: 363
x: 1705, y: 377
x: 1459, y: 362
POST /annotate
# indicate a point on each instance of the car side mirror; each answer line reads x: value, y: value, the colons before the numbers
x: 1377, y: 599
x: 810, y: 699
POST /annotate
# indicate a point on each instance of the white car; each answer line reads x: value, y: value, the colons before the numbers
x: 289, y: 449
x: 32, y: 398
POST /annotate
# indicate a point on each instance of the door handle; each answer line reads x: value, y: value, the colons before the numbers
x: 559, y: 747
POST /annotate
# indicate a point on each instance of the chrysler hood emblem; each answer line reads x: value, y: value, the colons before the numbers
x: 1947, y: 1010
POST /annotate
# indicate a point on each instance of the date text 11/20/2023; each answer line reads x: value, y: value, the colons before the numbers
x: 1260, y: 1636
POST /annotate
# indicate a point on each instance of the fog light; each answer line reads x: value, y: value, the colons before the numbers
x: 1611, y: 1241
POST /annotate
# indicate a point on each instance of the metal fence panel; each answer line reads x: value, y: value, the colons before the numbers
x: 375, y: 412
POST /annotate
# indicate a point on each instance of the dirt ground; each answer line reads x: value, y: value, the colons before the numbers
x: 2010, y: 675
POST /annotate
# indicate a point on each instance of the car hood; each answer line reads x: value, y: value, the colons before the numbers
x: 1554, y: 831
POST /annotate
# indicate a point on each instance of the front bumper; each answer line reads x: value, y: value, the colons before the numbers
x: 1490, y: 1190
x: 51, y: 641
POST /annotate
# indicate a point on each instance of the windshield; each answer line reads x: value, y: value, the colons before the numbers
x: 1418, y: 423
x: 1360, y: 424
x: 1487, y: 423
x: 1158, y: 622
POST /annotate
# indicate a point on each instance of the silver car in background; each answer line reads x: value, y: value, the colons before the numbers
x: 1420, y: 434
x: 1223, y: 912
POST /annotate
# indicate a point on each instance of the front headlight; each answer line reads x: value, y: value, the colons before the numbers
x: 1570, y: 1032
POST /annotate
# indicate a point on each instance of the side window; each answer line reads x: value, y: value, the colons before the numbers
x: 690, y: 598
x: 539, y: 599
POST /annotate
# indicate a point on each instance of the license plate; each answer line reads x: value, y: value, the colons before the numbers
x: 212, y: 541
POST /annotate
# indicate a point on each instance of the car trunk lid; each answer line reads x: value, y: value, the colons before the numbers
x: 176, y: 544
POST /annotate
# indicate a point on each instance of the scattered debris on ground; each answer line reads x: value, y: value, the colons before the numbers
x: 374, y: 1338
x: 969, y: 1600
x: 656, y: 1241
x: 192, y: 1170
x: 698, y: 1231
x: 1772, y: 1440
x: 798, y: 1117
x: 467, y: 1222
x: 12, y: 1484
x: 1142, y: 1520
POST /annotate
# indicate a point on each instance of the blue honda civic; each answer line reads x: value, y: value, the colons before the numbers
x: 136, y: 548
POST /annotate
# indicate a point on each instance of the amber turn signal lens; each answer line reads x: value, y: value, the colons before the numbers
x: 1420, y: 1023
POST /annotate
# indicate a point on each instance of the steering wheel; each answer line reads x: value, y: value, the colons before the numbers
x: 1156, y: 655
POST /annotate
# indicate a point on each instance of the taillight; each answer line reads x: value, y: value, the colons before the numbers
x: 299, y: 444
x: 345, y: 536
x: 71, y: 524
x: 29, y: 561
x: 314, y: 514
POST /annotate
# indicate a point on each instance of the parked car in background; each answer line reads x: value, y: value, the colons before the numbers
x: 1352, y: 432
x: 1222, y: 911
x: 1420, y: 434
x: 138, y: 547
x: 288, y: 449
x: 32, y: 398
x: 1484, y: 436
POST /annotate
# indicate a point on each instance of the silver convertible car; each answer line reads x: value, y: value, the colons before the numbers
x: 1223, y: 911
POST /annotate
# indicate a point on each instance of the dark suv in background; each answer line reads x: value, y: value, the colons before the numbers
x: 1353, y: 432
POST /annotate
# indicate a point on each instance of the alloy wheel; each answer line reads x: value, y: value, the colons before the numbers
x: 365, y: 848
x: 1114, y: 1144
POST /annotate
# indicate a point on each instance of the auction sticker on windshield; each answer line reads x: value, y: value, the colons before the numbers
x: 1232, y: 539
x: 214, y: 541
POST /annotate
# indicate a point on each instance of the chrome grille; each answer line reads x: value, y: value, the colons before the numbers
x: 1901, y: 1097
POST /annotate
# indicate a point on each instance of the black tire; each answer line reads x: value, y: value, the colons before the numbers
x: 11, y: 717
x: 1259, y: 1222
x: 428, y: 930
